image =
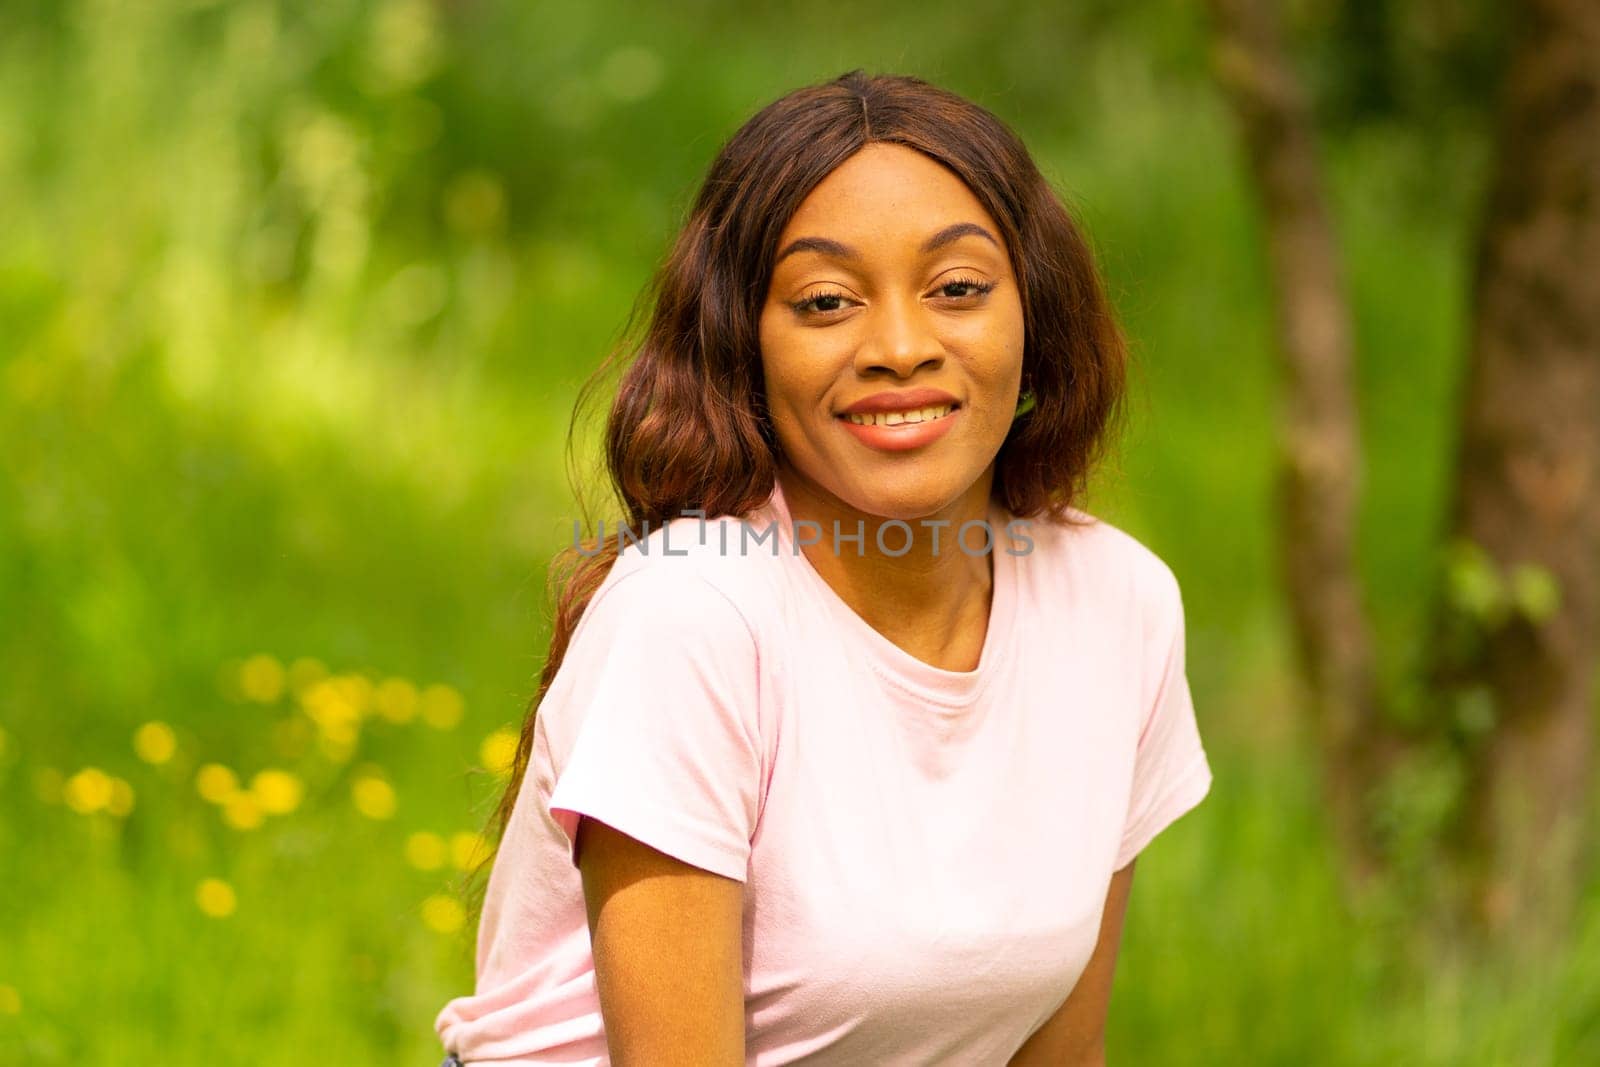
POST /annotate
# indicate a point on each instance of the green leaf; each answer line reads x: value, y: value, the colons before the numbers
x: 1535, y: 591
x: 1473, y: 583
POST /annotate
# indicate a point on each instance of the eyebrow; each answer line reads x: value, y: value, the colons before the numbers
x: 839, y: 250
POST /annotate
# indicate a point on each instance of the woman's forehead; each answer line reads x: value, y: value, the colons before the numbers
x: 889, y: 206
x: 882, y: 184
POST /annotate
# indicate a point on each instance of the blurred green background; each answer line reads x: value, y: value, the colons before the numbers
x: 295, y: 299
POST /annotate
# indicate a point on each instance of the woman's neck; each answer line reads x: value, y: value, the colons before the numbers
x: 933, y: 600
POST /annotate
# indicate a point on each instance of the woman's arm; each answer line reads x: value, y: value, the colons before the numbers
x: 668, y: 953
x: 1075, y: 1036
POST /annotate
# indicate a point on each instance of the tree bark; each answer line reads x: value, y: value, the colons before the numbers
x: 1528, y: 479
x: 1318, y: 483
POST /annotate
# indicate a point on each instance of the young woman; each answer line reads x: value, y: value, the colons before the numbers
x: 848, y: 741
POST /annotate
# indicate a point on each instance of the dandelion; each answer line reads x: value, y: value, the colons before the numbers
x: 10, y: 1000
x: 155, y: 743
x: 425, y: 851
x: 215, y: 897
x: 499, y: 751
x: 120, y: 802
x: 329, y: 705
x: 356, y: 689
x: 88, y: 791
x: 441, y: 706
x: 242, y: 811
x: 261, y: 678
x: 396, y: 700
x: 277, y: 792
x: 442, y: 914
x: 373, y: 797
x: 467, y: 849
x: 216, y: 783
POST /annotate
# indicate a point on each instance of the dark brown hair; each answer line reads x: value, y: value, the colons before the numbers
x: 688, y: 427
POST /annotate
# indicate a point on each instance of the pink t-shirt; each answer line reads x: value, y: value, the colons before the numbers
x: 925, y: 852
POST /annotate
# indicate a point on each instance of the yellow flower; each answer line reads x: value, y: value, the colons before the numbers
x: 120, y: 802
x: 215, y: 897
x: 154, y: 742
x: 242, y: 811
x: 373, y: 797
x: 87, y: 791
x: 467, y: 849
x: 329, y: 704
x: 216, y: 783
x: 441, y: 706
x: 425, y: 851
x: 396, y: 700
x: 499, y: 751
x: 277, y: 792
x: 356, y: 689
x: 442, y: 914
x: 10, y: 1000
x: 261, y: 678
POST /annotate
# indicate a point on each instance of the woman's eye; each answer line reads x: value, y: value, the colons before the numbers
x: 978, y: 288
x: 822, y: 303
x: 829, y: 303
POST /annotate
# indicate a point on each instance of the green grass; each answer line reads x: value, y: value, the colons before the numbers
x: 294, y: 301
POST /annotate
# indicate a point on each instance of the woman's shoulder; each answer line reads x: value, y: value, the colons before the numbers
x: 1099, y: 556
x: 691, y: 568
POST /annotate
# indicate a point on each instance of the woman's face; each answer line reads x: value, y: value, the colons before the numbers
x: 891, y: 281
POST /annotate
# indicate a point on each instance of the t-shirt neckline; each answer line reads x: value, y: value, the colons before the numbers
x: 950, y: 689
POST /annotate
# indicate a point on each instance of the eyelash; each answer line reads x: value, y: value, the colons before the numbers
x: 980, y: 288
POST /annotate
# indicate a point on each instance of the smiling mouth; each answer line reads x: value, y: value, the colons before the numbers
x: 900, y: 418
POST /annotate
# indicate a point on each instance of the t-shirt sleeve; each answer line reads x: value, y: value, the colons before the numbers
x: 657, y: 735
x: 1170, y: 773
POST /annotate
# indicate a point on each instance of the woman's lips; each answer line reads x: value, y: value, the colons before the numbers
x: 904, y: 436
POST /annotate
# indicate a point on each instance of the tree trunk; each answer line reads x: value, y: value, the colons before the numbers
x: 1528, y: 481
x: 1318, y: 479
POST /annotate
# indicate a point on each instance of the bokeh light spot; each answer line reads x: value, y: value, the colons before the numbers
x: 499, y: 751
x: 396, y: 700
x: 216, y: 783
x: 242, y: 811
x: 441, y: 707
x: 373, y: 797
x: 278, y: 792
x: 442, y: 914
x: 215, y: 898
x: 262, y: 679
x: 425, y: 851
x: 467, y: 849
x: 120, y: 802
x: 155, y: 742
x: 87, y: 791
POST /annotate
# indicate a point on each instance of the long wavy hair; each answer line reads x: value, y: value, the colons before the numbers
x: 688, y: 426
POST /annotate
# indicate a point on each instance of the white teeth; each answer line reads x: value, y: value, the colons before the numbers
x: 895, y: 418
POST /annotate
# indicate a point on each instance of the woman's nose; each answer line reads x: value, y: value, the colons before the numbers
x: 899, y: 339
